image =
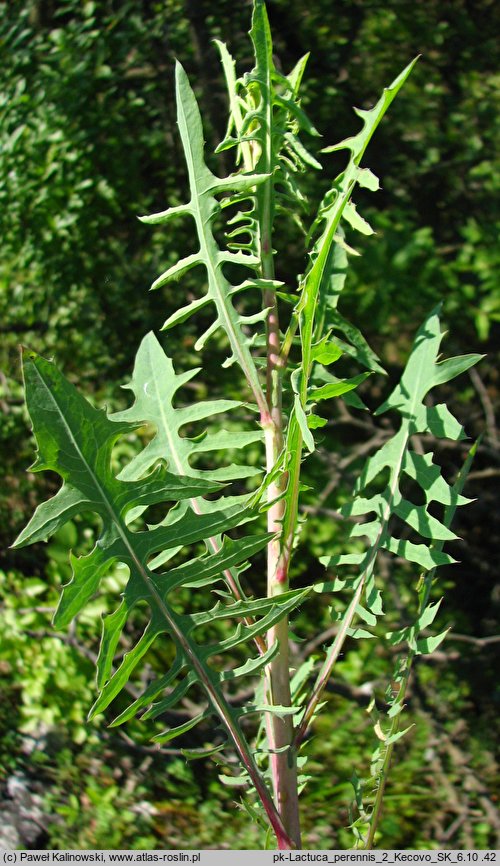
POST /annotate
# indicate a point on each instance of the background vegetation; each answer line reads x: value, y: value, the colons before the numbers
x: 88, y: 141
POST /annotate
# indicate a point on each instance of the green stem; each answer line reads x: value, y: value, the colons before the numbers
x: 330, y: 660
x: 384, y: 770
x: 334, y: 651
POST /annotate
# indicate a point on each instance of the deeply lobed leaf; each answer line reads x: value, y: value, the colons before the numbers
x: 155, y: 385
x: 76, y: 440
x: 384, y: 511
x: 203, y: 206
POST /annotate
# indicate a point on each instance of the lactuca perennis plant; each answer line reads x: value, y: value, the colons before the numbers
x: 284, y: 346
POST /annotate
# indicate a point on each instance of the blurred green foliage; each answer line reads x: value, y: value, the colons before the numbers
x: 88, y: 142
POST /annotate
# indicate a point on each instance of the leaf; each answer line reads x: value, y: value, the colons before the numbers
x: 382, y: 511
x: 76, y: 441
x: 315, y: 286
x: 335, y: 389
x: 303, y: 425
x: 422, y: 373
x: 327, y: 352
x: 368, y: 180
x: 333, y: 209
x: 203, y: 207
x: 327, y: 318
x: 429, y: 644
x: 356, y: 346
x: 316, y: 421
x: 398, y: 735
x: 233, y: 781
x: 366, y: 615
x: 428, y: 615
x: 266, y: 119
x: 358, y: 633
x: 355, y: 220
x: 300, y: 414
x: 336, y: 585
x: 396, y: 458
x: 155, y: 385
